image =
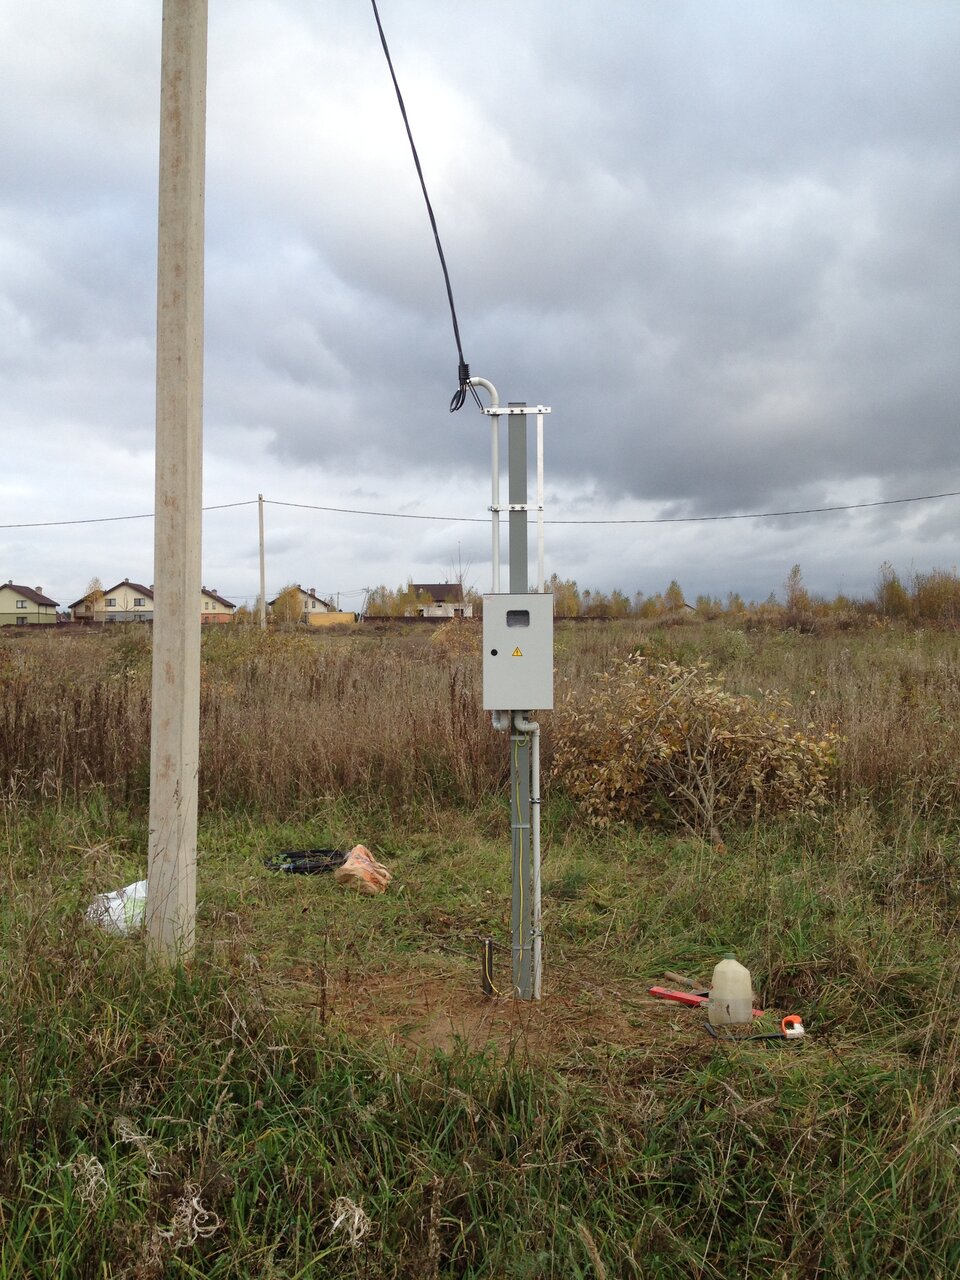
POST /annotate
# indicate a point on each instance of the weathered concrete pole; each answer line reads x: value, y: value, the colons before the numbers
x: 263, y: 572
x: 175, y: 723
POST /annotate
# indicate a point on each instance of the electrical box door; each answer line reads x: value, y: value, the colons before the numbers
x: 518, y: 652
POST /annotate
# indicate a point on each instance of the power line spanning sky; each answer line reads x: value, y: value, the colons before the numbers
x: 721, y: 241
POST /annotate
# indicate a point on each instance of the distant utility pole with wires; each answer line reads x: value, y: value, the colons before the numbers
x: 263, y: 571
x: 175, y: 719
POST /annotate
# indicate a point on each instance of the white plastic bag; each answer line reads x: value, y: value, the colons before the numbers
x: 122, y: 911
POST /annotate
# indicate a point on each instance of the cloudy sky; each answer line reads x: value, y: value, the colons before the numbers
x: 720, y: 239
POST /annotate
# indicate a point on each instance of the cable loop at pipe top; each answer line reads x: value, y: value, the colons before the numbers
x: 460, y: 395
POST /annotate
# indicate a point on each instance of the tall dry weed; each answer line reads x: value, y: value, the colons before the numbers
x: 289, y: 717
x: 285, y: 718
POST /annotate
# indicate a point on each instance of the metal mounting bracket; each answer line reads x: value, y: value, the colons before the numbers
x: 500, y: 411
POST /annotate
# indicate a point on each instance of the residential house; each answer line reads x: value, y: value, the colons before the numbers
x: 126, y: 601
x: 25, y: 606
x: 214, y: 609
x: 440, y: 600
x: 313, y: 609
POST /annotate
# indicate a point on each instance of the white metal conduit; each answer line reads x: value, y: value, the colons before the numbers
x: 517, y: 720
x: 495, y: 411
x: 535, y: 942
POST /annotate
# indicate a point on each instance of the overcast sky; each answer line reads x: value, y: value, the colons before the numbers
x: 719, y: 238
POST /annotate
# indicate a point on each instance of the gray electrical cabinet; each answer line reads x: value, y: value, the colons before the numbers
x: 518, y: 652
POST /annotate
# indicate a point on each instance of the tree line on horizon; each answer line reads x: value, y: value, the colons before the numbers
x: 931, y: 596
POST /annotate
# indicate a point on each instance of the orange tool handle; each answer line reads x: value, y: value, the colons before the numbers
x: 687, y: 997
x: 681, y: 997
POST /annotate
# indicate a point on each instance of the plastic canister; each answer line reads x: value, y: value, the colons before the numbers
x: 731, y: 997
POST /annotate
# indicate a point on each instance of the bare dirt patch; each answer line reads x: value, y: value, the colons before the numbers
x: 440, y: 1006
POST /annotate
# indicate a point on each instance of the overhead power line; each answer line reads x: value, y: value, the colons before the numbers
x: 414, y: 515
x: 767, y: 515
x: 751, y: 515
x: 143, y: 515
x: 388, y: 515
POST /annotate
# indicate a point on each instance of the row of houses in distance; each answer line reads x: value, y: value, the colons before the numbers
x: 128, y: 601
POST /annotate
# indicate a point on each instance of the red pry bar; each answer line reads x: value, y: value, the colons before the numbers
x: 687, y: 997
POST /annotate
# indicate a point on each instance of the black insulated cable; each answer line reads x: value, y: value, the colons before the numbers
x: 463, y: 373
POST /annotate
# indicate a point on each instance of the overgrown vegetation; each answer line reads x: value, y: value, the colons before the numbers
x: 328, y: 1066
x: 284, y: 716
x: 655, y: 739
x: 394, y: 719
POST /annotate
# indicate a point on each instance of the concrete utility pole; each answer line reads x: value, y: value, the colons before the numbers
x: 175, y: 722
x: 263, y: 572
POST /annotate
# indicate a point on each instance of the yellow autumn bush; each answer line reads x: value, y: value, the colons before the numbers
x: 458, y: 638
x: 653, y: 740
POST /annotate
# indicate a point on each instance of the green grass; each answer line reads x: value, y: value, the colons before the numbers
x: 620, y: 1141
x: 326, y: 1048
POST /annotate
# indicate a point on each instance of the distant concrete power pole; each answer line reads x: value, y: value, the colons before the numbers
x: 175, y: 722
x: 263, y: 572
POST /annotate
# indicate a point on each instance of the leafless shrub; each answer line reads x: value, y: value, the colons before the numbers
x: 653, y: 739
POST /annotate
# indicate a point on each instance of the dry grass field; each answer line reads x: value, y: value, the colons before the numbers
x: 325, y: 1092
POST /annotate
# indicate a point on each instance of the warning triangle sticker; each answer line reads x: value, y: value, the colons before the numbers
x: 516, y: 653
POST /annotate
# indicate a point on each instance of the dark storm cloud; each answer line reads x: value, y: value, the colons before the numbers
x: 724, y: 246
x: 720, y: 241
